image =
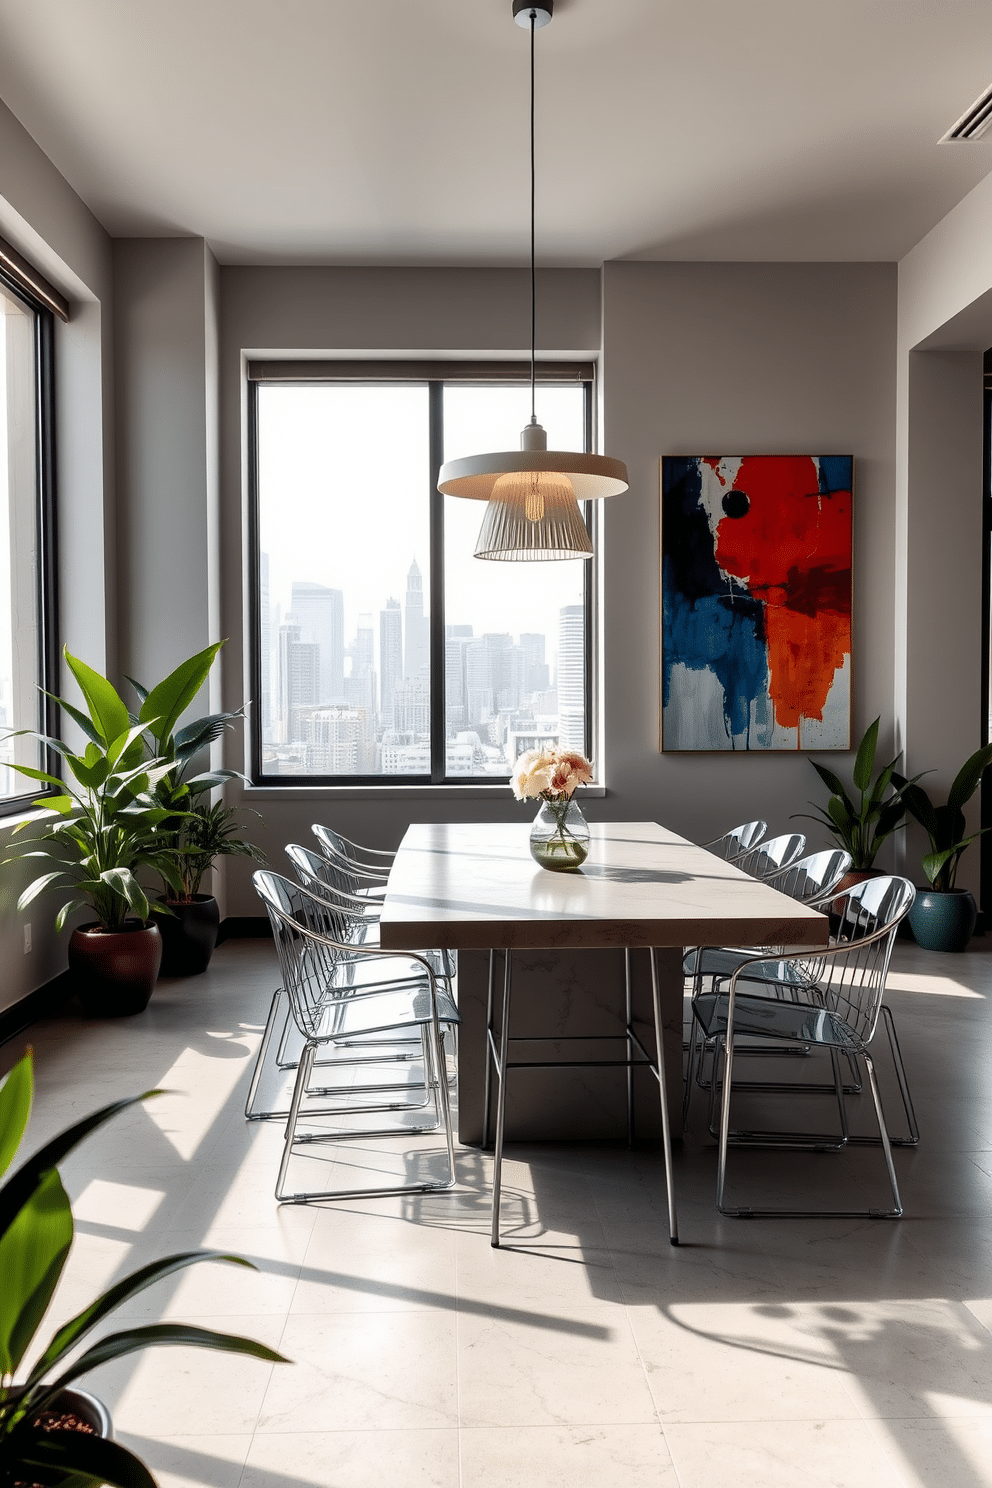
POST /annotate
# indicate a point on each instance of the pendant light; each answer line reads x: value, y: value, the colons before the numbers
x: 533, y: 493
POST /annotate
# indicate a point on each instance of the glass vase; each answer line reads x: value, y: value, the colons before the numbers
x: 559, y: 838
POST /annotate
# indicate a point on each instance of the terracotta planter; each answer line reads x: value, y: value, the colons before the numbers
x: 115, y: 970
x: 943, y: 920
x: 189, y: 935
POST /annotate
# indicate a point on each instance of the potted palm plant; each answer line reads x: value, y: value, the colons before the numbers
x: 197, y: 833
x: 49, y: 1431
x: 943, y: 916
x: 103, y: 826
x: 861, y: 823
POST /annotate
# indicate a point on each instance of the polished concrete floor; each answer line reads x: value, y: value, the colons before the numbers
x: 761, y: 1353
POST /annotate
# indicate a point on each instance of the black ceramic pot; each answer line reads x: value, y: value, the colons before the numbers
x: 115, y: 971
x: 943, y: 920
x: 189, y: 935
x: 86, y: 1407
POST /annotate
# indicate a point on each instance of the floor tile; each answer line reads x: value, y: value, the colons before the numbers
x: 581, y: 1456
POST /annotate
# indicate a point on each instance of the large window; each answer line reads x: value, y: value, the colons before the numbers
x: 26, y: 538
x: 383, y: 650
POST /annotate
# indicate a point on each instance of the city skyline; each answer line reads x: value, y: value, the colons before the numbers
x: 340, y: 700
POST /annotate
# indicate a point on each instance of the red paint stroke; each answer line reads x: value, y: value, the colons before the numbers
x: 792, y: 547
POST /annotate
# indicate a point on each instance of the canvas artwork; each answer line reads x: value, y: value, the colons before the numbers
x: 756, y: 601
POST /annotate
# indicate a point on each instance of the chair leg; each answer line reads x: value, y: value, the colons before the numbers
x: 302, y: 1075
x: 250, y: 1112
x: 896, y: 1211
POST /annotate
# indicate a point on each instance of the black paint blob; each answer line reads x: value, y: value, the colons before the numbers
x: 736, y: 504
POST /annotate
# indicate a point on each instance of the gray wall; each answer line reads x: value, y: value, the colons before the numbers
x: 739, y: 359
x: 45, y: 220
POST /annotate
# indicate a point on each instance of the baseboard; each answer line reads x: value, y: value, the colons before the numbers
x: 244, y: 927
x: 37, y: 1005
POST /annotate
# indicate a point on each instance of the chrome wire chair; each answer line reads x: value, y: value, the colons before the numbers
x: 772, y: 856
x: 313, y: 943
x: 737, y: 841
x: 810, y: 880
x: 357, y: 920
x: 356, y: 870
x: 830, y: 999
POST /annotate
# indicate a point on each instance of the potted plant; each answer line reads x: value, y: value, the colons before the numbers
x: 196, y: 833
x: 49, y: 1432
x: 861, y: 826
x: 106, y: 825
x: 943, y: 916
x: 189, y: 932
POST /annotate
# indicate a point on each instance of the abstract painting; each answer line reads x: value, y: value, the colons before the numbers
x: 756, y: 601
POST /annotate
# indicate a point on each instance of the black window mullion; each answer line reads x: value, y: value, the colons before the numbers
x: 436, y: 612
x: 48, y: 618
x: 254, y: 591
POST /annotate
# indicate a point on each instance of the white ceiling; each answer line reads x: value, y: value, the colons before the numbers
x: 395, y: 131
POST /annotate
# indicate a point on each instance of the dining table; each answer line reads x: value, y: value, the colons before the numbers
x: 596, y: 955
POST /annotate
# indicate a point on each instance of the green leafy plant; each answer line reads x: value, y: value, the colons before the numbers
x: 209, y: 832
x: 945, y: 825
x: 861, y: 826
x: 36, y: 1233
x: 196, y: 833
x: 108, y: 821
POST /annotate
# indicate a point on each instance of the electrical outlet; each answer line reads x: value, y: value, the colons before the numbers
x: 27, y: 938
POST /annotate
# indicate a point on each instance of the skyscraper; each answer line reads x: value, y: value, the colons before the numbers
x: 390, y: 659
x: 535, y: 671
x: 572, y: 678
x: 417, y: 654
x: 299, y: 679
x: 319, y: 612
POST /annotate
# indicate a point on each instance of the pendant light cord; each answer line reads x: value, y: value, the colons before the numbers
x: 533, y: 271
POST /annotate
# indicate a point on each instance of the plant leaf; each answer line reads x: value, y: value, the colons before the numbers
x: 15, y: 1108
x: 110, y: 717
x: 172, y: 696
x: 38, y: 887
x: 78, y: 717
x: 115, y: 1345
x: 66, y: 911
x: 968, y: 778
x: 142, y: 692
x: 865, y: 759
x: 68, y: 1336
x: 89, y: 1459
x: 33, y: 1252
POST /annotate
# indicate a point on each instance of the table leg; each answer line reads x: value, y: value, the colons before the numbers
x: 629, y: 1013
x: 666, y: 1135
x: 488, y: 1078
x: 504, y: 1033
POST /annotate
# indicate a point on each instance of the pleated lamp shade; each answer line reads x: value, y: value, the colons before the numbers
x: 533, y: 516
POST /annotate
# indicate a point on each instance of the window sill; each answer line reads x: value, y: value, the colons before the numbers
x: 500, y: 792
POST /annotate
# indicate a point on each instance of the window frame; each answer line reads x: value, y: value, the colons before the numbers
x: 46, y: 587
x: 434, y: 375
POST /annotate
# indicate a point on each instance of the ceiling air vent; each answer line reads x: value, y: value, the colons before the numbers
x: 973, y: 122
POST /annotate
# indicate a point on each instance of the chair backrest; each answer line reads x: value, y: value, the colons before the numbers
x: 815, y: 877
x: 769, y: 858
x: 739, y: 840
x: 852, y: 981
x: 335, y: 849
x: 323, y: 878
x: 307, y: 963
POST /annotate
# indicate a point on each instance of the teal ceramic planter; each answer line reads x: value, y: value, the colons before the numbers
x: 943, y: 921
